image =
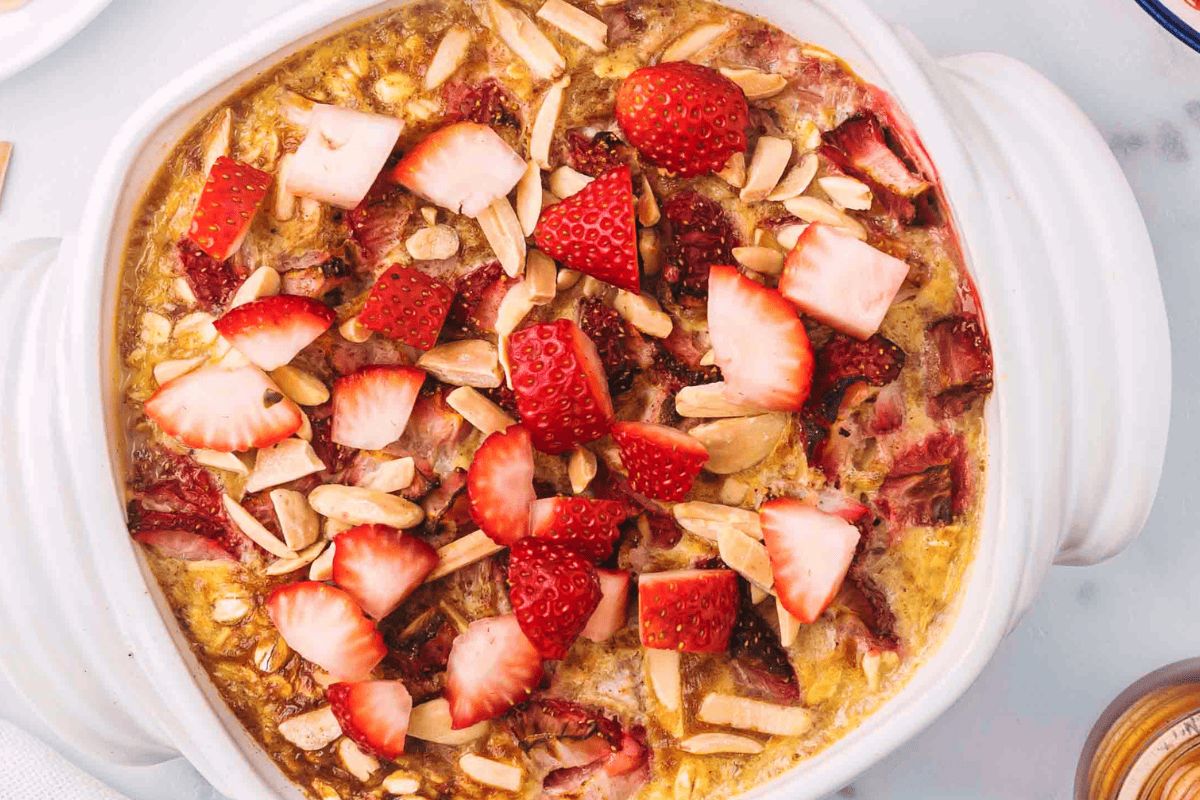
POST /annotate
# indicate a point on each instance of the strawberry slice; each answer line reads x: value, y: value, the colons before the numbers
x: 662, y: 462
x: 562, y: 394
x: 690, y: 610
x: 810, y: 553
x: 371, y: 407
x: 183, y: 545
x: 686, y: 118
x: 592, y: 231
x: 609, y: 617
x: 758, y: 342
x: 380, y: 566
x: 463, y: 167
x: 408, y: 305
x: 500, y: 485
x: 324, y: 625
x: 492, y: 667
x: 841, y: 281
x: 553, y: 590
x: 590, y: 526
x: 860, y: 145
x: 270, y: 331
x: 372, y: 713
x: 212, y: 408
x: 342, y: 154
x: 228, y: 203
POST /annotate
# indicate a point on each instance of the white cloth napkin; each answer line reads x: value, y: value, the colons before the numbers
x: 29, y: 770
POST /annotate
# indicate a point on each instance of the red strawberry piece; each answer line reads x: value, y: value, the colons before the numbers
x: 213, y: 282
x: 408, y: 305
x: 834, y: 502
x: 845, y: 361
x: 562, y: 394
x: 964, y: 364
x: 224, y: 409
x: 686, y: 118
x: 462, y: 167
x: 595, y: 154
x: 228, y: 203
x: 477, y: 297
x: 810, y: 552
x: 590, y: 526
x: 486, y: 102
x: 760, y: 664
x: 700, y: 236
x: 270, y: 331
x: 371, y: 406
x: 324, y: 625
x: 605, y: 327
x: 860, y: 145
x: 841, y: 281
x: 553, y: 590
x: 662, y: 462
x: 380, y: 566
x: 691, y: 610
x: 377, y: 223
x: 492, y: 667
x: 183, y: 545
x: 758, y: 342
x: 928, y: 484
x: 610, y: 615
x: 500, y: 485
x: 593, y: 230
x: 373, y: 713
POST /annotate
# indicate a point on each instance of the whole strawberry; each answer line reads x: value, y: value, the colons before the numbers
x: 553, y: 591
x: 686, y: 118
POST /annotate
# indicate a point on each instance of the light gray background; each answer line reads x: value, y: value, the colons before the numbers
x: 1017, y: 732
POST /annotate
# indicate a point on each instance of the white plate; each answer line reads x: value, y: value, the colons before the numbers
x: 40, y: 27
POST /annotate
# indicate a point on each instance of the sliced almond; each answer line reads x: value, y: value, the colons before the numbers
x: 650, y: 249
x: 218, y: 460
x: 230, y: 610
x: 321, y: 568
x: 430, y: 722
x: 746, y: 557
x: 789, y: 626
x: 789, y: 235
x: 263, y: 282
x: 565, y: 181
x: 357, y: 506
x: 503, y: 232
x: 648, y: 212
x: 355, y: 761
x: 814, y: 209
x: 708, y: 400
x: 529, y: 198
x: 435, y: 243
x: 734, y: 171
x: 515, y: 306
x: 450, y: 54
x: 302, y: 388
x: 429, y: 214
x: 541, y: 133
x: 771, y: 156
x: 733, y: 492
x: 808, y: 136
x: 754, y: 715
x: 156, y: 329
x: 284, y: 206
x: 217, y: 139
x: 847, y: 192
x: 312, y: 730
x: 172, y: 368
x: 754, y: 83
x: 183, y: 291
x: 270, y: 654
x: 664, y: 677
x: 469, y: 362
x: 257, y: 533
x: 481, y: 412
x: 305, y: 430
x: 746, y: 521
x: 797, y: 181
x: 524, y: 38
x: 491, y: 773
x: 757, y: 595
x: 463, y: 552
x: 690, y: 783
x: 708, y: 359
x: 402, y: 782
x: 567, y: 278
x: 540, y: 277
x: 286, y: 566
x: 334, y: 528
x: 353, y: 330
x: 690, y: 44
x: 394, y: 88
x: 281, y: 463
x: 197, y: 326
x: 644, y: 313
x: 874, y: 663
x: 708, y: 744
x: 576, y: 23
x: 764, y: 260
x: 394, y: 475
x: 738, y: 443
x: 298, y: 522
x: 581, y: 469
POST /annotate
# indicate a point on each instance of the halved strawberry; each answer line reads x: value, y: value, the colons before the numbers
x: 228, y: 203
x: 562, y: 394
x: 492, y: 667
x: 691, y: 610
x: 373, y: 713
x: 592, y: 231
x: 758, y: 342
x: 841, y: 281
x: 810, y: 553
x: 408, y: 305
x: 686, y: 118
x: 224, y: 409
x: 183, y: 545
x: 662, y: 462
x: 462, y: 167
x: 380, y: 566
x: 861, y: 146
x: 610, y: 616
x: 553, y: 590
x: 500, y: 485
x: 324, y: 625
x: 590, y: 526
x: 270, y: 331
x: 371, y: 407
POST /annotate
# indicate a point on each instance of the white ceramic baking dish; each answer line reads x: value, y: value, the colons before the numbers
x: 1078, y: 420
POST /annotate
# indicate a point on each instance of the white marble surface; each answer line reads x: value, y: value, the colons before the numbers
x: 1017, y: 732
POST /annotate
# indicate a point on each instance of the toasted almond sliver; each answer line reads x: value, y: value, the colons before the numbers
x: 664, y: 677
x: 305, y: 430
x: 797, y: 180
x: 254, y: 529
x: 429, y: 214
x: 764, y: 260
x: 524, y: 38
x: 286, y: 566
x: 565, y: 181
x: 529, y: 198
x: 789, y: 235
x: 541, y: 133
x: 230, y: 610
x: 734, y: 171
x: 451, y: 53
x: 708, y: 400
x: 183, y: 291
x: 575, y: 23
x: 734, y: 492
x: 503, y: 231
x: 357, y: 506
x: 281, y: 463
x: 644, y: 313
x: 218, y: 460
x: 463, y: 552
x: 746, y: 521
x: 754, y: 715
x: 434, y: 243
x: 302, y: 388
x: 808, y: 136
x: 708, y: 359
x: 491, y: 773
x: 430, y: 722
x: 756, y: 84
x: 814, y: 209
x: 541, y: 275
x: 771, y: 156
x: 172, y: 368
x: 567, y: 278
x: 747, y: 557
x: 757, y: 595
x: 847, y: 192
x: 481, y: 412
x: 581, y: 469
x: 353, y: 330
x: 468, y: 362
x: 197, y: 325
x: 284, y: 207
x: 394, y: 475
x: 738, y: 443
x: 401, y: 782
x: 648, y: 212
x: 297, y: 521
x: 691, y: 43
x: 312, y: 730
x: 263, y: 282
x: 650, y: 250
x: 357, y: 763
x: 515, y: 306
x: 321, y: 568
x: 707, y: 744
x: 217, y: 139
